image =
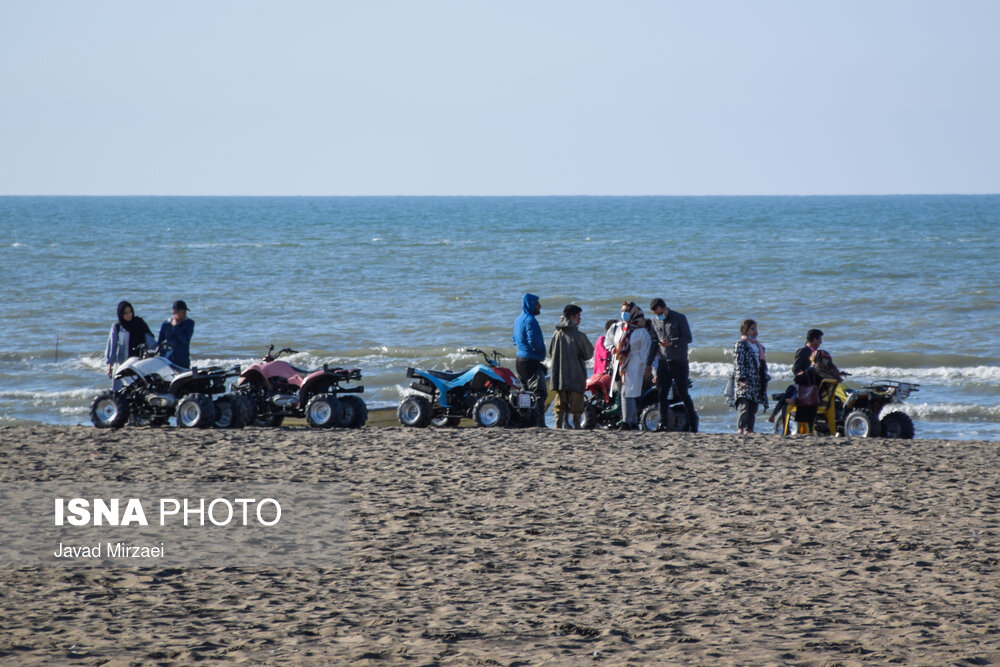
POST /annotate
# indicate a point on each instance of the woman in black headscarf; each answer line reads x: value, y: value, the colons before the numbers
x: 128, y: 335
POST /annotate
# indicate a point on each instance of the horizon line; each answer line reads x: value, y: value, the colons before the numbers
x: 542, y: 196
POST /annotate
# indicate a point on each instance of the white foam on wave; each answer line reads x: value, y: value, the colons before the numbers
x: 949, y: 411
x: 45, y: 397
x: 939, y: 375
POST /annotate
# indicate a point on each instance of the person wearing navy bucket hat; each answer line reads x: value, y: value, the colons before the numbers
x: 176, y: 333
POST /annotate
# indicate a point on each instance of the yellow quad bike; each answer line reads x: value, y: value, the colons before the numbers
x: 854, y: 413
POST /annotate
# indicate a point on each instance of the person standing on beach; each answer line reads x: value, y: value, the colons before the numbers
x: 629, y: 343
x: 126, y: 339
x: 570, y: 350
x: 530, y: 344
x: 749, y: 377
x: 672, y: 367
x: 177, y: 332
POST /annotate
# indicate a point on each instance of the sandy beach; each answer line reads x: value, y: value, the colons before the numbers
x: 527, y: 547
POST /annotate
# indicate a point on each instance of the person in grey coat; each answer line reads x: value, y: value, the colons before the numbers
x: 570, y: 350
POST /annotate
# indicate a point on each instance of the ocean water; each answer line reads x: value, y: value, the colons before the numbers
x: 905, y: 287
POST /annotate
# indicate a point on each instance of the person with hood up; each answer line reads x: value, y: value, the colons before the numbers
x: 530, y: 344
x: 570, y: 350
x: 127, y: 337
x: 629, y: 343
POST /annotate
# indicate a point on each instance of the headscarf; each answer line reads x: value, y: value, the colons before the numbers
x: 136, y: 328
x: 625, y: 344
x: 825, y: 366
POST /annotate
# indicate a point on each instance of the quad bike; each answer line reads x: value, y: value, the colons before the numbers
x: 153, y: 390
x: 855, y: 413
x: 488, y: 393
x: 276, y: 390
x: 602, y: 410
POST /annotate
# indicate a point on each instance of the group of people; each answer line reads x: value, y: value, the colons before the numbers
x: 632, y: 349
x: 747, y: 386
x: 130, y: 334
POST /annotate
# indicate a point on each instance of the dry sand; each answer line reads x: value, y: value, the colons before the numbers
x: 476, y: 546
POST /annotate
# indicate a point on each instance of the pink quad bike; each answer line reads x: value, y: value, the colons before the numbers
x: 277, y: 389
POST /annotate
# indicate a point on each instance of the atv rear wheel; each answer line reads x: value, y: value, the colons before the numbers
x: 861, y: 424
x: 195, y: 411
x: 490, y: 412
x: 897, y: 425
x: 414, y: 411
x: 355, y: 412
x: 678, y: 420
x: 109, y: 410
x: 324, y: 411
x: 649, y: 420
x: 231, y: 411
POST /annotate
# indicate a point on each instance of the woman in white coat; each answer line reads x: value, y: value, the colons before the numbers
x: 630, y: 347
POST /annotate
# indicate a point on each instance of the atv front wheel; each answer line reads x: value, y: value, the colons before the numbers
x: 491, y: 411
x: 355, y: 412
x: 897, y: 425
x: 861, y: 424
x: 324, y: 411
x: 195, y: 411
x: 109, y: 410
x: 414, y: 411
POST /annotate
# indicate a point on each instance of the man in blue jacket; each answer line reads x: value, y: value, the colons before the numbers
x: 531, y: 352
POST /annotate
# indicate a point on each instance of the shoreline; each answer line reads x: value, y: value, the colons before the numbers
x: 489, y: 546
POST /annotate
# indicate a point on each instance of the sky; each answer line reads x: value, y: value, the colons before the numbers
x: 427, y: 97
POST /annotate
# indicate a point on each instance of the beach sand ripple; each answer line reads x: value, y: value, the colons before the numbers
x: 472, y: 546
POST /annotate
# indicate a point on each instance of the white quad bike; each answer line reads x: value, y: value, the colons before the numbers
x: 153, y: 390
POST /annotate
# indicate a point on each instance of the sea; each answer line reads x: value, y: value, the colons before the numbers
x: 905, y: 288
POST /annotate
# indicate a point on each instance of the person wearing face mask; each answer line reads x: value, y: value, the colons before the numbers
x: 674, y: 336
x: 629, y: 344
x: 127, y: 337
x: 749, y: 379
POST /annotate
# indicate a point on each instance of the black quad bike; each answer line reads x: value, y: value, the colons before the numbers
x: 154, y: 389
x: 603, y: 411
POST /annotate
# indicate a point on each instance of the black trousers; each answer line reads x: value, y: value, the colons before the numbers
x: 531, y: 373
x: 675, y: 373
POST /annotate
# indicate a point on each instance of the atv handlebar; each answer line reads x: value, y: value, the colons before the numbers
x: 491, y: 362
x: 271, y: 357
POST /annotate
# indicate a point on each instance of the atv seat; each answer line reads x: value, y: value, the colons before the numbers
x: 447, y: 376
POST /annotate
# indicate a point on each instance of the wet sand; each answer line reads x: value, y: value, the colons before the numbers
x: 472, y: 546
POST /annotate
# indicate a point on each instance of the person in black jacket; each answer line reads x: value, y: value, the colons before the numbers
x: 801, y: 363
x: 673, y: 335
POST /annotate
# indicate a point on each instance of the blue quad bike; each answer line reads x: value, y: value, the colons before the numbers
x: 487, y: 393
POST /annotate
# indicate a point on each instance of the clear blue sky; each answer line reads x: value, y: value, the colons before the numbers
x: 424, y: 97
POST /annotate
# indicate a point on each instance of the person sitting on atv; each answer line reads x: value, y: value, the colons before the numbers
x: 803, y: 359
x: 821, y: 368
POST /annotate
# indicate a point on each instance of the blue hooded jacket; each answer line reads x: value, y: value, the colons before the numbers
x: 527, y: 332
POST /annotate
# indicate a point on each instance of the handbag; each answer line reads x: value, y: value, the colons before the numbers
x: 807, y: 396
